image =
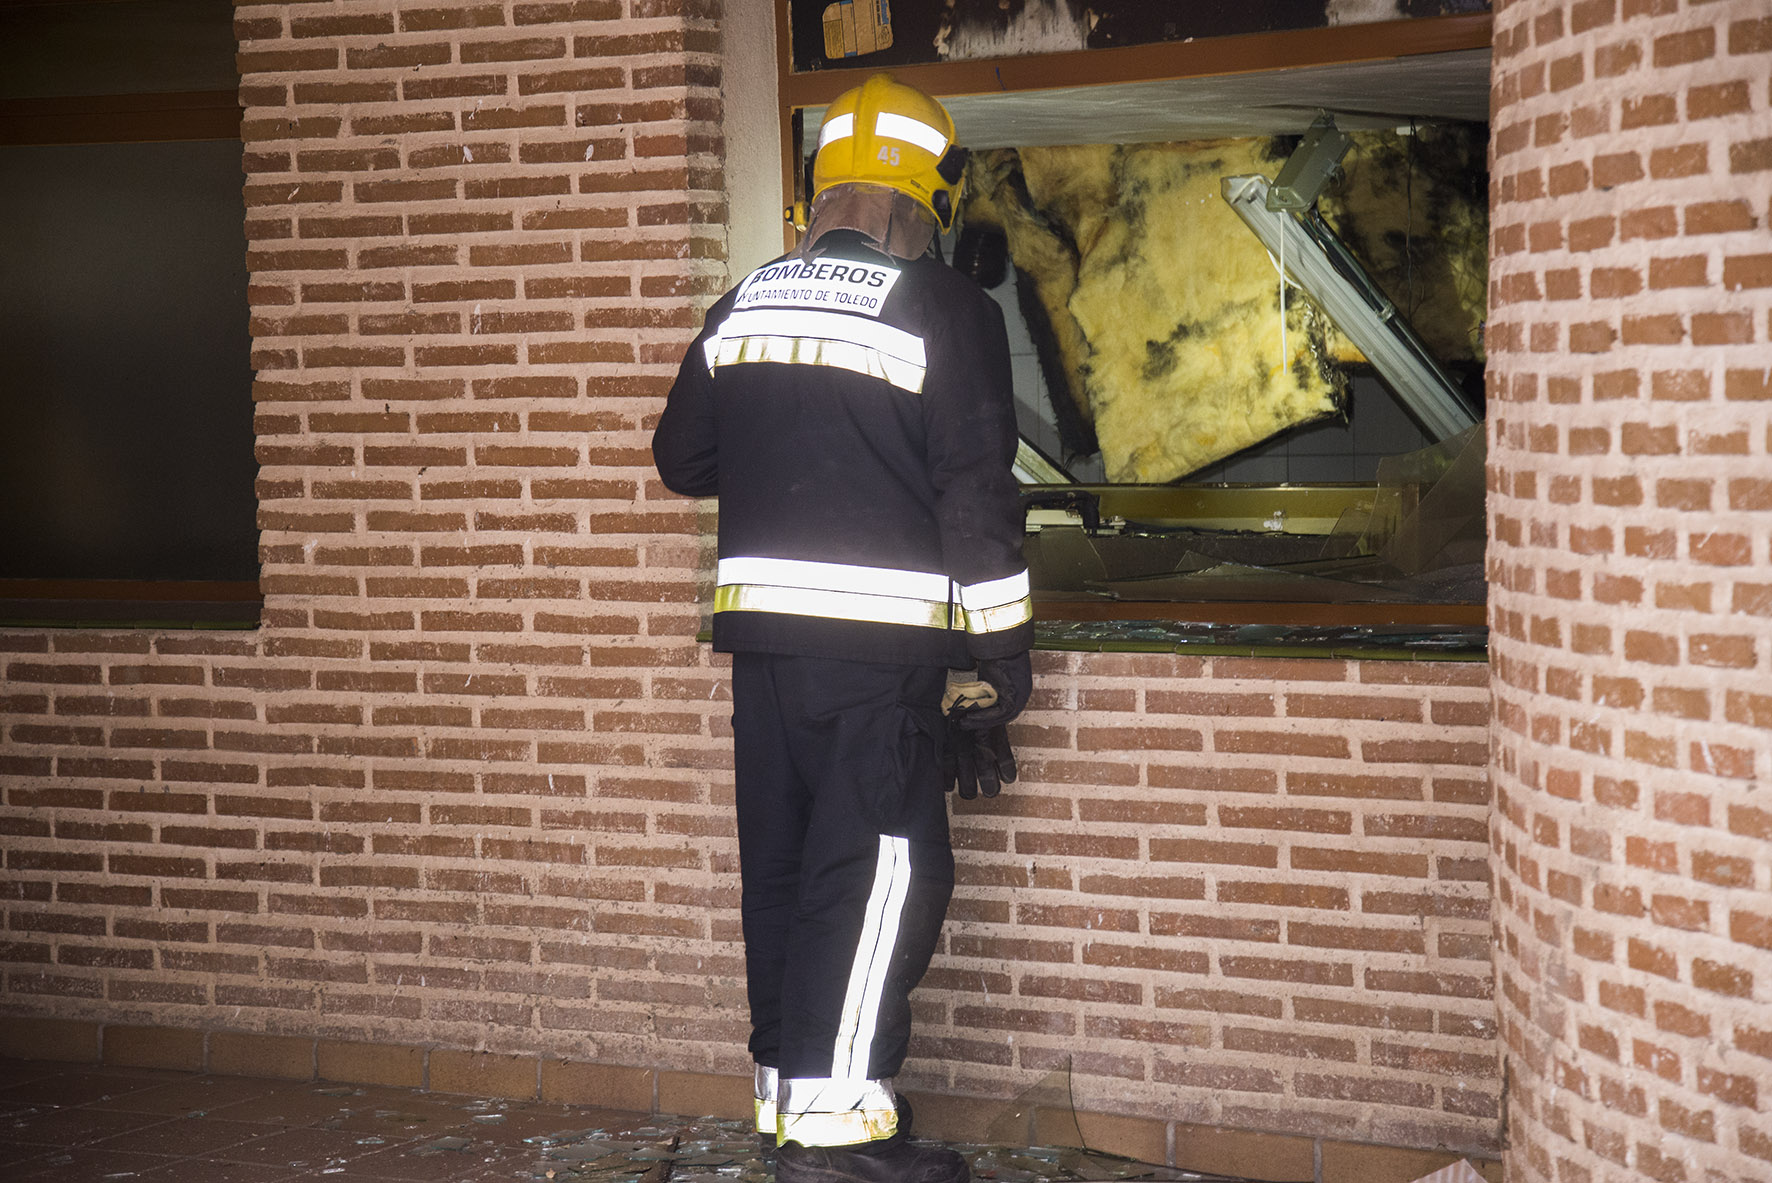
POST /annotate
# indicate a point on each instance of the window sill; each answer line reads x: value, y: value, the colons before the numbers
x: 129, y: 604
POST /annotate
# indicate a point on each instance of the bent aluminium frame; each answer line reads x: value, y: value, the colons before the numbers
x: 1321, y: 264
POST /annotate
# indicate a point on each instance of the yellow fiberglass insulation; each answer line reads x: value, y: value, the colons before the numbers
x: 1045, y: 256
x: 1156, y: 311
x: 1414, y: 210
x: 1180, y: 306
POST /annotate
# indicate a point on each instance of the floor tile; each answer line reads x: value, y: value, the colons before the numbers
x: 74, y: 1126
x: 522, y: 1124
x: 78, y: 1088
x: 436, y: 1159
x: 197, y: 1170
x: 14, y: 1154
x: 85, y: 1164
x: 401, y: 1115
x: 299, y: 1105
x: 194, y: 1094
x: 187, y: 1136
x: 308, y: 1147
x: 17, y: 1108
x: 21, y: 1071
x: 517, y: 1172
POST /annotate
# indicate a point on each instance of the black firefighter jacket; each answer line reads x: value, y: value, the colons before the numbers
x: 853, y: 413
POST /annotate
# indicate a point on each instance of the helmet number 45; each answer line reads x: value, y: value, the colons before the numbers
x: 889, y: 154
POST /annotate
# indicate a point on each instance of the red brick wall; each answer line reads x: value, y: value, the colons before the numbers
x: 472, y: 728
x: 1234, y: 891
x: 1249, y: 893
x: 468, y: 785
x: 1632, y: 584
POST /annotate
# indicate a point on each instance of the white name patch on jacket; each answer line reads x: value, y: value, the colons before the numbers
x: 837, y: 285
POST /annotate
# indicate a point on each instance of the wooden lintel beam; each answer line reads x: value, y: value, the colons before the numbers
x: 1200, y: 58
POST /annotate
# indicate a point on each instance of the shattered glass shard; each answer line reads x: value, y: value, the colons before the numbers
x: 562, y: 1136
x: 445, y: 1145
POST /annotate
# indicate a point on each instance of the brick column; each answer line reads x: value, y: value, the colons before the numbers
x: 1631, y: 570
x: 481, y: 235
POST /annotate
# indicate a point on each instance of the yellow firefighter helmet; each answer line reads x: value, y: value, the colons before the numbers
x: 886, y: 133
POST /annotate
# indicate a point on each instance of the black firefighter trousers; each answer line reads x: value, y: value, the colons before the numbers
x: 847, y: 872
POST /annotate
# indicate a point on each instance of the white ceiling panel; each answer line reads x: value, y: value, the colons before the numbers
x: 1361, y: 94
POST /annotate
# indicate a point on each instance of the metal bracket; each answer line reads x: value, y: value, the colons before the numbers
x: 1310, y: 166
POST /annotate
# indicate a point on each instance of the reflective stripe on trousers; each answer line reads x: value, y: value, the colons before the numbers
x: 821, y: 1111
x: 846, y: 1106
x: 768, y: 1091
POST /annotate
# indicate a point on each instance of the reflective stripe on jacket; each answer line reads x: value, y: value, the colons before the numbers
x: 853, y: 413
x: 880, y: 595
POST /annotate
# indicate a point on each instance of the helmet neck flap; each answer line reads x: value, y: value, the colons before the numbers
x: 891, y: 222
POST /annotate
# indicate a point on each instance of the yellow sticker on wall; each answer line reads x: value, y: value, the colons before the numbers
x: 856, y: 27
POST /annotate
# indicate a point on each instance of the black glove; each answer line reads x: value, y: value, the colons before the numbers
x: 977, y: 762
x: 1013, y: 680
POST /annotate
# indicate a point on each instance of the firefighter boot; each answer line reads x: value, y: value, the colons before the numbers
x: 892, y: 1160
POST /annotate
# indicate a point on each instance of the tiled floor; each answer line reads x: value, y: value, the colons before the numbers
x: 85, y: 1124
x: 78, y: 1123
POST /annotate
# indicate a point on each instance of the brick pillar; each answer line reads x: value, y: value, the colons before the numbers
x: 481, y: 235
x: 1631, y: 570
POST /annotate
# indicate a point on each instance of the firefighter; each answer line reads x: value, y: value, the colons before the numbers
x: 850, y: 405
